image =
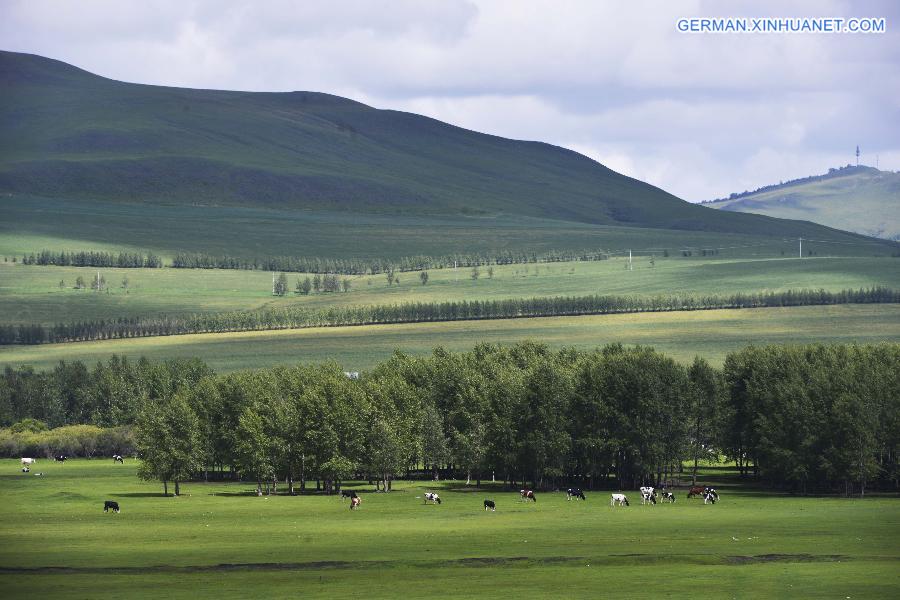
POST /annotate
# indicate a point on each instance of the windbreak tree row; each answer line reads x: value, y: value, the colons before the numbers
x: 299, y: 317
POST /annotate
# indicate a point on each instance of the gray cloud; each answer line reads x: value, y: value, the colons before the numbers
x: 699, y: 115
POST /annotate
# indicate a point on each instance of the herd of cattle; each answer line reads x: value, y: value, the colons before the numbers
x: 649, y: 495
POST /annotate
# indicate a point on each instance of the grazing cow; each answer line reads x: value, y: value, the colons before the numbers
x: 61, y: 458
x: 528, y: 495
x: 118, y: 458
x: 25, y: 469
x: 668, y: 497
x: 28, y: 461
x: 38, y: 474
x: 696, y: 490
x: 355, y: 502
x: 710, y: 495
x: 489, y: 504
x: 111, y: 504
x: 574, y: 493
x: 648, y: 495
x: 435, y: 499
x: 348, y: 494
x: 618, y: 499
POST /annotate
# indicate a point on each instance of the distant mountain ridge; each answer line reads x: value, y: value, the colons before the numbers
x: 66, y: 133
x: 855, y: 198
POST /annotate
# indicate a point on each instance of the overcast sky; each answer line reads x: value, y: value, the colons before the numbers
x: 700, y: 115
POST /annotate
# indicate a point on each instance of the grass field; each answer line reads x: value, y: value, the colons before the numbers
x: 681, y: 335
x: 31, y: 294
x: 219, y: 540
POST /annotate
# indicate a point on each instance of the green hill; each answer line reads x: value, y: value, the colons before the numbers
x: 67, y: 133
x: 859, y: 199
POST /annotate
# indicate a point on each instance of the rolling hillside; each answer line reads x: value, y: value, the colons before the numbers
x: 859, y: 199
x: 65, y: 133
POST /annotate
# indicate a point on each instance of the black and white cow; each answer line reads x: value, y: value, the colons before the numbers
x: 111, y: 504
x: 27, y: 462
x: 435, y: 499
x: 489, y: 505
x: 648, y: 495
x: 574, y: 493
x: 710, y: 496
x: 25, y: 469
x: 348, y: 494
x: 618, y: 500
x: 668, y: 497
x: 528, y: 495
x: 118, y: 458
x: 61, y: 458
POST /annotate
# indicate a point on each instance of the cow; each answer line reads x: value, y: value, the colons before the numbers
x: 111, y: 504
x: 618, y: 499
x: 435, y: 499
x: 355, y: 502
x: 696, y: 490
x: 28, y: 461
x: 648, y: 495
x: 574, y: 493
x: 25, y: 469
x: 668, y: 497
x: 61, y: 458
x: 710, y: 496
x: 118, y: 458
x: 38, y: 474
x: 528, y: 495
x: 348, y: 494
x: 489, y: 504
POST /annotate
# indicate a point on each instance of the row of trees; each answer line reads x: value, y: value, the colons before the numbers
x: 301, y: 317
x: 801, y: 418
x: 125, y: 260
x: 374, y: 266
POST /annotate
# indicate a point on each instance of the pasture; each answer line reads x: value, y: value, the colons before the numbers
x: 682, y: 335
x: 219, y: 539
x: 32, y: 294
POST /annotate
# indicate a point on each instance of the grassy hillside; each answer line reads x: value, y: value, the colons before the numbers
x: 66, y: 133
x: 860, y: 199
x: 31, y: 294
x: 682, y: 335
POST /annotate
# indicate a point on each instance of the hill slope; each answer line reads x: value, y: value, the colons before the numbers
x: 859, y: 199
x: 66, y: 133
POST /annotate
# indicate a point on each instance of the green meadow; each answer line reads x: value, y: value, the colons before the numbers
x: 682, y: 335
x: 221, y: 540
x: 32, y: 294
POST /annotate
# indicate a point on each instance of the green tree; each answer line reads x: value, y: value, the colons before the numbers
x: 168, y: 439
x: 304, y: 287
x: 707, y: 390
x: 423, y: 277
x: 345, y: 284
x: 79, y: 283
x: 475, y: 273
x: 279, y: 288
x: 490, y: 272
x: 62, y: 284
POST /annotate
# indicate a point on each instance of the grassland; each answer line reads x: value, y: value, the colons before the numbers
x: 220, y: 540
x: 31, y: 294
x: 682, y: 335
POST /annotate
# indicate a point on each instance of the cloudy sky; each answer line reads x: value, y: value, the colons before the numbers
x: 700, y: 115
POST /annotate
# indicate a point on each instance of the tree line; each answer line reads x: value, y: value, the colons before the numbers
x: 299, y: 317
x: 802, y: 418
x: 374, y: 266
x: 123, y: 260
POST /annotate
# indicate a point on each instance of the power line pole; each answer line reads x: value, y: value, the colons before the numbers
x: 801, y: 246
x: 857, y: 155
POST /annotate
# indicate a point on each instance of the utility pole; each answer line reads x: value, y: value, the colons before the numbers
x: 857, y: 155
x: 630, y: 264
x: 801, y: 246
